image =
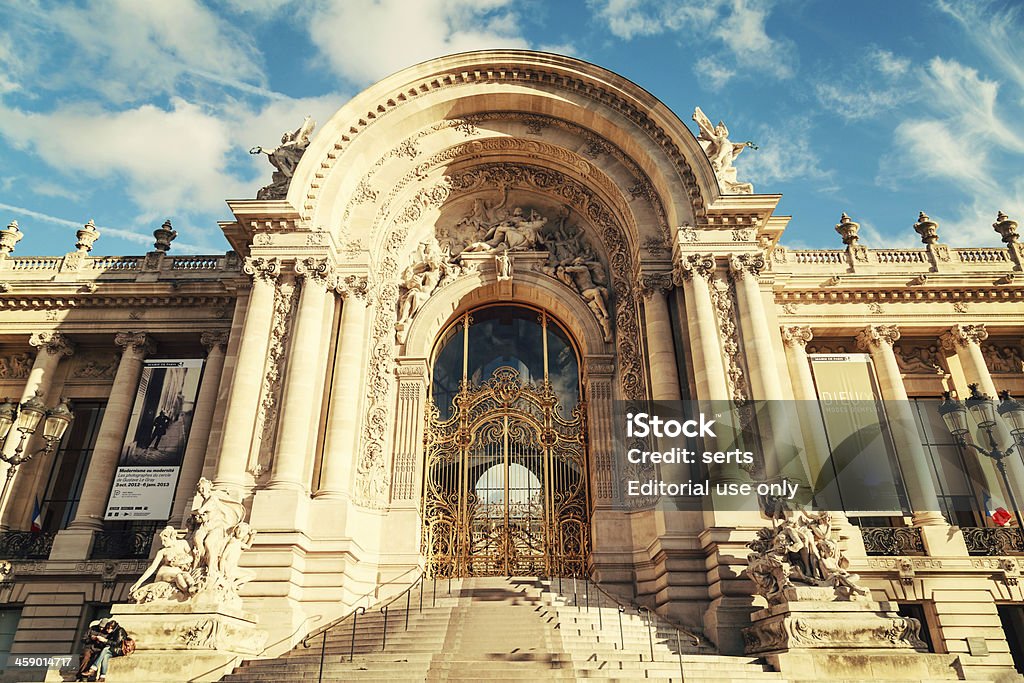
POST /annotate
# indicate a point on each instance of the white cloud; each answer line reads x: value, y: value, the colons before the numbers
x: 364, y: 40
x: 785, y: 154
x: 888, y: 63
x: 852, y: 104
x: 142, y: 49
x: 46, y: 188
x: 871, y: 86
x: 738, y: 25
x: 996, y: 33
x: 932, y: 149
x: 712, y: 74
x: 170, y: 161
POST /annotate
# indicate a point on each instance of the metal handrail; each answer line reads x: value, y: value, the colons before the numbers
x: 361, y: 609
x: 699, y: 642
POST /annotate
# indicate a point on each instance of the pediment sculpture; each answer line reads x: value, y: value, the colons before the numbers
x: 488, y: 228
x: 206, y: 561
x: 721, y: 152
x: 285, y: 159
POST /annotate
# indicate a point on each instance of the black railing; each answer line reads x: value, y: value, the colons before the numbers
x: 25, y: 545
x: 994, y: 540
x: 124, y: 544
x: 892, y: 540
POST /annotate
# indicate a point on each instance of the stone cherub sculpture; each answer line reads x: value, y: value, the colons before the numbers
x: 285, y: 159
x: 721, y: 152
x: 206, y: 561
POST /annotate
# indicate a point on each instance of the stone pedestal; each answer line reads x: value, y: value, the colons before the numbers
x: 201, y: 640
x: 808, y: 636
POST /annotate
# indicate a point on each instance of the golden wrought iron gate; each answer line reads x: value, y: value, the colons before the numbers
x: 505, y: 483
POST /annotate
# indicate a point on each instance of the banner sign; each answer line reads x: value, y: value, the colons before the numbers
x: 154, y: 445
x: 862, y: 454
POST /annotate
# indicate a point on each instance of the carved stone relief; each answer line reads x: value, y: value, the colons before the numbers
x: 723, y: 297
x: 15, y: 365
x: 1003, y: 358
x: 919, y: 359
x: 286, y: 300
x: 95, y: 366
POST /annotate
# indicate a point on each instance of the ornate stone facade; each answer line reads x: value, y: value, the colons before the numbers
x: 588, y: 204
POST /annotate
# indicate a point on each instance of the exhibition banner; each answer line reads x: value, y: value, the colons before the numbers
x: 154, y: 445
x: 862, y: 455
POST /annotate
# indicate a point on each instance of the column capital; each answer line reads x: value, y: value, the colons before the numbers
x: 963, y: 335
x: 797, y: 336
x: 352, y: 286
x: 316, y: 271
x: 874, y: 336
x: 262, y: 269
x: 654, y: 283
x: 212, y: 340
x: 688, y: 265
x: 138, y: 342
x: 742, y: 265
x: 53, y: 343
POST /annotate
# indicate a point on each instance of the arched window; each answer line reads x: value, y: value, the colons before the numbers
x: 525, y: 339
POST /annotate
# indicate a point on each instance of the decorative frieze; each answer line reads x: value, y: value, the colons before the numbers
x: 95, y: 366
x: 919, y: 360
x: 1003, y: 358
x: 15, y: 366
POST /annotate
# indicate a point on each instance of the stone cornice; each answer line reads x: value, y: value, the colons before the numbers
x: 44, y: 302
x: 818, y: 294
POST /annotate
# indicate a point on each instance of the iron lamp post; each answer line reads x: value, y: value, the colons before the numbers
x: 984, y: 410
x: 25, y: 419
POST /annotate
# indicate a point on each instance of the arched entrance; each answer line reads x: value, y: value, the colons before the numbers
x: 505, y: 477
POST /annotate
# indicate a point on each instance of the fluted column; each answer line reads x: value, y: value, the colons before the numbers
x: 294, y: 439
x: 878, y: 340
x: 661, y: 355
x: 199, y: 434
x: 965, y: 341
x: 757, y: 336
x: 693, y: 273
x: 52, y: 347
x: 100, y: 476
x: 795, y: 338
x: 240, y: 414
x: 343, y: 413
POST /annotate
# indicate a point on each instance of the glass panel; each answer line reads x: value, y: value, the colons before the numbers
x: 505, y: 335
x: 9, y: 618
x: 448, y: 370
x: 67, y: 475
x: 563, y: 368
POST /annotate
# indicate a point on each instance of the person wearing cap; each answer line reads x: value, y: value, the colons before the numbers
x: 111, y: 636
x: 91, y: 647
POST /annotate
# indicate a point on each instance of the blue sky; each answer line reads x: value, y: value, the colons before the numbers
x: 130, y: 112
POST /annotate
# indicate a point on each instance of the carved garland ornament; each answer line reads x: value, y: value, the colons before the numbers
x: 371, y: 484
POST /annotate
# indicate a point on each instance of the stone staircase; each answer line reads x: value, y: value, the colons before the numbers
x: 501, y: 629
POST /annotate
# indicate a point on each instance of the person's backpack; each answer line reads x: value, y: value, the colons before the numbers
x: 127, y: 646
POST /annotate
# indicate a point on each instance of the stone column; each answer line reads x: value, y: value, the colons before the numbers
x: 661, y: 355
x: 53, y: 346
x: 346, y: 396
x: 199, y: 434
x: 294, y: 439
x: 761, y: 361
x: 110, y: 438
x: 693, y: 273
x: 240, y: 414
x: 878, y: 340
x: 965, y: 341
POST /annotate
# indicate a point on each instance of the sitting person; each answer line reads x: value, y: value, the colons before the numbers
x: 113, y: 637
x: 93, y: 646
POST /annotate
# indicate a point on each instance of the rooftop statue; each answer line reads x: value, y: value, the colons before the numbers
x: 722, y: 152
x: 285, y: 159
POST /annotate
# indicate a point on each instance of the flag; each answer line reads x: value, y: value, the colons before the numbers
x: 37, y: 518
x: 999, y: 514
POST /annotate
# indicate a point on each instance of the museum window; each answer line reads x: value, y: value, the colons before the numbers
x: 67, y: 475
x: 957, y: 495
x: 9, y: 618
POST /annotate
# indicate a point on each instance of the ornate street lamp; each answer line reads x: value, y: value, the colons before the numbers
x: 26, y: 418
x: 983, y: 409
